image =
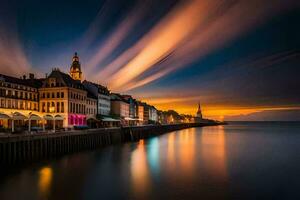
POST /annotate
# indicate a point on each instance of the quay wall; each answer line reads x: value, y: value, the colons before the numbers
x: 16, y: 149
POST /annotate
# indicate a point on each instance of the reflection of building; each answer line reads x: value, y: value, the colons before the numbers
x: 75, y: 70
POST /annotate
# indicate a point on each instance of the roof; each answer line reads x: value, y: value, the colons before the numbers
x: 63, y: 80
x: 118, y: 97
x: 90, y: 94
x: 35, y: 83
x: 101, y: 89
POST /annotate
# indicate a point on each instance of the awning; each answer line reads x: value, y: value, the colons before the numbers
x: 18, y: 116
x: 35, y: 117
x: 130, y: 119
x: 108, y: 119
x: 48, y: 117
x: 93, y: 118
x: 4, y: 116
x: 58, y: 117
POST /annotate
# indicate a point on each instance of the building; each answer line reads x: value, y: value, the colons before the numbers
x: 198, y: 117
x: 64, y: 99
x: 140, y: 113
x: 133, y: 113
x: 91, y: 106
x: 91, y: 110
x: 146, y: 113
x: 120, y: 108
x: 75, y: 70
x: 103, y: 97
x: 153, y: 117
x: 19, y: 101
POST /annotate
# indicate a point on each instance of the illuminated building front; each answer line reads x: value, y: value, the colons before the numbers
x: 62, y: 96
x: 18, y: 100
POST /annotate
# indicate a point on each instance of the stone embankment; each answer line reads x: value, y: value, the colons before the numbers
x: 23, y: 148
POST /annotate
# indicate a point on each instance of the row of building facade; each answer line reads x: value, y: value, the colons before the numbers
x: 63, y: 101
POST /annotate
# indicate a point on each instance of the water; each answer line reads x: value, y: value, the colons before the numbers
x: 240, y: 161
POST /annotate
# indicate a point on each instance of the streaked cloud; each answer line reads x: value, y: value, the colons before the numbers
x: 190, y: 31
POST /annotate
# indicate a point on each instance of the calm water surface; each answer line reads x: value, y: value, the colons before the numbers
x: 240, y: 161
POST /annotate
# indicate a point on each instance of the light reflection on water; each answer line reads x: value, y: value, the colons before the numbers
x: 140, y: 169
x: 213, y: 152
x: 45, y: 178
x: 236, y: 161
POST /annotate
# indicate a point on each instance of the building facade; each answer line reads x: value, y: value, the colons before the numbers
x: 120, y: 108
x: 18, y: 100
x: 103, y: 97
x: 153, y: 117
x: 64, y: 98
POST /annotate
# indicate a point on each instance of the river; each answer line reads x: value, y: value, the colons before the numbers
x: 236, y: 161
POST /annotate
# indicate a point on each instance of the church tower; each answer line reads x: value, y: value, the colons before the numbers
x: 199, y: 112
x: 75, y: 70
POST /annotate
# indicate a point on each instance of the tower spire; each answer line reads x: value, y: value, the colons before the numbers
x: 199, y: 112
x: 75, y: 70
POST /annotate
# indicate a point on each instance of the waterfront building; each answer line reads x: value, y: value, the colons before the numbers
x: 133, y: 106
x: 75, y: 70
x: 18, y: 101
x: 63, y: 100
x: 153, y: 118
x: 140, y: 113
x: 91, y: 110
x: 146, y: 113
x: 91, y: 106
x: 103, y: 97
x: 120, y: 108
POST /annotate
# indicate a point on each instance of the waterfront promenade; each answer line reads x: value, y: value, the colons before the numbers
x: 24, y: 148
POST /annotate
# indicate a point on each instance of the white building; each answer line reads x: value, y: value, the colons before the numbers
x: 153, y: 114
x: 103, y: 95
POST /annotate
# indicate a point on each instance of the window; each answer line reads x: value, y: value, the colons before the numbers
x: 57, y: 95
x: 62, y: 107
x: 9, y: 93
x: 48, y: 95
x: 48, y: 106
x: 53, y: 95
x: 43, y: 107
x: 57, y: 107
x: 62, y: 94
x: 70, y: 107
x: 43, y: 95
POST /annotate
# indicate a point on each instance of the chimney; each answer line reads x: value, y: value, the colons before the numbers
x: 31, y: 76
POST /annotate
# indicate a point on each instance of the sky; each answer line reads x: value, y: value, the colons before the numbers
x: 239, y: 58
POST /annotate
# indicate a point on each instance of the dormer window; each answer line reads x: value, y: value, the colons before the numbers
x: 52, y: 82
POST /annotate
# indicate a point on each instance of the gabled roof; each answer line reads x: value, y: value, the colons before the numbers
x: 63, y: 80
x: 101, y: 89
